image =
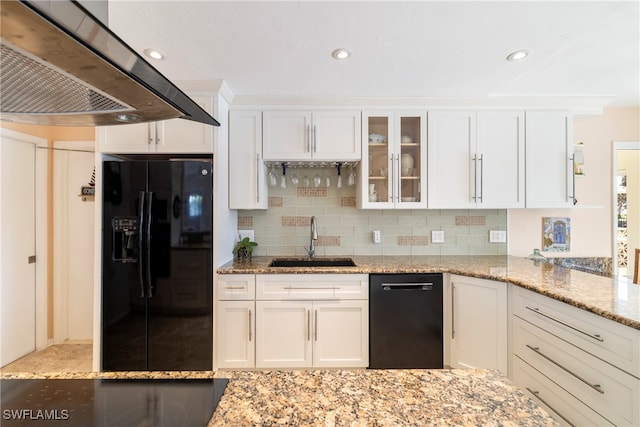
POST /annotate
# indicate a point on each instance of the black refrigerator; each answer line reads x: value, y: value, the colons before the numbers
x: 157, y: 276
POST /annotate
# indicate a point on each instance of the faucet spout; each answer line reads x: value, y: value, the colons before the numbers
x: 314, y: 236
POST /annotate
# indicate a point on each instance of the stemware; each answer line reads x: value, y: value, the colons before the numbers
x: 294, y: 179
x: 272, y: 177
x: 351, y: 180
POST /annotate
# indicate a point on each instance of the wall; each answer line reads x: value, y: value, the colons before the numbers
x: 283, y: 229
x: 591, y: 222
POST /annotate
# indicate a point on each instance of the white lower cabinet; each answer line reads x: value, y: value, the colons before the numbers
x: 293, y: 321
x: 478, y: 323
x: 235, y: 321
x: 236, y: 334
x: 304, y: 334
x: 563, y: 355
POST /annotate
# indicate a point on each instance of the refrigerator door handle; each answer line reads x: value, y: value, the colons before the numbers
x: 141, y: 263
x: 148, y: 243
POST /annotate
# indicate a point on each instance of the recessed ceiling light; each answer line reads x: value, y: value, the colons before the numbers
x: 518, y: 55
x: 154, y: 54
x: 341, y: 53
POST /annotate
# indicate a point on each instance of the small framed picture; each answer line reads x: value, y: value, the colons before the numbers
x: 556, y: 234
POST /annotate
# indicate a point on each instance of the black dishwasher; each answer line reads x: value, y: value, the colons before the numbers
x: 405, y: 321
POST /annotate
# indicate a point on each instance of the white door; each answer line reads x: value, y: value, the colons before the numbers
x: 236, y: 334
x: 336, y: 135
x: 131, y: 138
x: 549, y: 168
x: 500, y: 159
x: 479, y: 329
x: 452, y: 139
x: 283, y: 334
x: 340, y: 334
x: 186, y: 136
x: 17, y: 244
x: 286, y: 135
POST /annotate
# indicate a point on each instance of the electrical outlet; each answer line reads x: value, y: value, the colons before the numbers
x: 437, y: 236
x: 376, y: 236
x: 246, y: 233
x: 497, y: 236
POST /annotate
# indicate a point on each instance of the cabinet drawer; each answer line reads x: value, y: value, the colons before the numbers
x: 565, y: 408
x: 609, y: 391
x: 236, y: 287
x: 612, y: 342
x: 311, y: 286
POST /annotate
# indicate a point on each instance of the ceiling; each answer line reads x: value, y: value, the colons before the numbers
x: 424, y: 49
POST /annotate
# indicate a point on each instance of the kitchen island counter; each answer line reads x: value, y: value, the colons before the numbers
x: 357, y: 397
x: 614, y: 299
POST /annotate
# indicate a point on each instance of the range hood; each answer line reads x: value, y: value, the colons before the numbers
x: 60, y: 66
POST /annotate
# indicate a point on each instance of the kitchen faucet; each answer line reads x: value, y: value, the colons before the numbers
x: 314, y: 236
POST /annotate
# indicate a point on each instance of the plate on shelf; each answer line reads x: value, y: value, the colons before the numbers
x: 408, y: 199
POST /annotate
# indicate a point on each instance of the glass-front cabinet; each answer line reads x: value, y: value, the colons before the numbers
x: 394, y: 165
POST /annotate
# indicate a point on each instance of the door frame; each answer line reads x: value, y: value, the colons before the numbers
x: 61, y: 243
x: 617, y: 146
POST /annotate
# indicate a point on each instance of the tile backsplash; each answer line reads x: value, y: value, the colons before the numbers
x: 284, y: 228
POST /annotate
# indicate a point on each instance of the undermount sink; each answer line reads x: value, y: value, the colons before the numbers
x: 312, y: 262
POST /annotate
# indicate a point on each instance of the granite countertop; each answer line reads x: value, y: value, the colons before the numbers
x: 357, y: 397
x: 617, y: 300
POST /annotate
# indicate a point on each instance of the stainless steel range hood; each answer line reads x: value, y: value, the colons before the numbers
x: 60, y: 66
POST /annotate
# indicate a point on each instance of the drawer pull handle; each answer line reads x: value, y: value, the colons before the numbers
x: 596, y: 387
x: 537, y: 395
x: 301, y: 288
x: 590, y: 335
x: 234, y: 288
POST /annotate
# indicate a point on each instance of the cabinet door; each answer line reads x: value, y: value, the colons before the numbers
x: 283, y: 335
x: 375, y: 189
x: 549, y: 168
x: 133, y: 138
x: 499, y: 154
x: 286, y: 135
x: 340, y: 334
x: 336, y: 135
x: 410, y: 167
x: 186, y: 136
x: 235, y: 346
x: 247, y: 180
x: 479, y: 324
x: 450, y: 166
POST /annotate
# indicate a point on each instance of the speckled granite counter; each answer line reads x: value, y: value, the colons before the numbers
x: 358, y: 397
x: 614, y: 299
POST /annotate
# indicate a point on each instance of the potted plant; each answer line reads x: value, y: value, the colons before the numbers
x: 243, y: 249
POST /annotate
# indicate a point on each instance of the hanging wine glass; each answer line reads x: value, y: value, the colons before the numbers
x: 272, y: 177
x: 339, y: 184
x: 351, y: 180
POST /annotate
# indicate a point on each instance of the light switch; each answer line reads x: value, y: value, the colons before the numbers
x: 376, y: 236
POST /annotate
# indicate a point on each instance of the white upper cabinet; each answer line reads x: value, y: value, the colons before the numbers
x: 247, y: 181
x: 393, y: 167
x: 169, y: 136
x: 476, y: 159
x: 306, y: 135
x: 549, y: 161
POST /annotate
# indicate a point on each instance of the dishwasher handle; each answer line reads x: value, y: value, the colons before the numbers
x: 407, y: 286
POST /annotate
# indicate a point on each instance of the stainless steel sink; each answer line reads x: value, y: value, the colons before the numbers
x: 312, y: 262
